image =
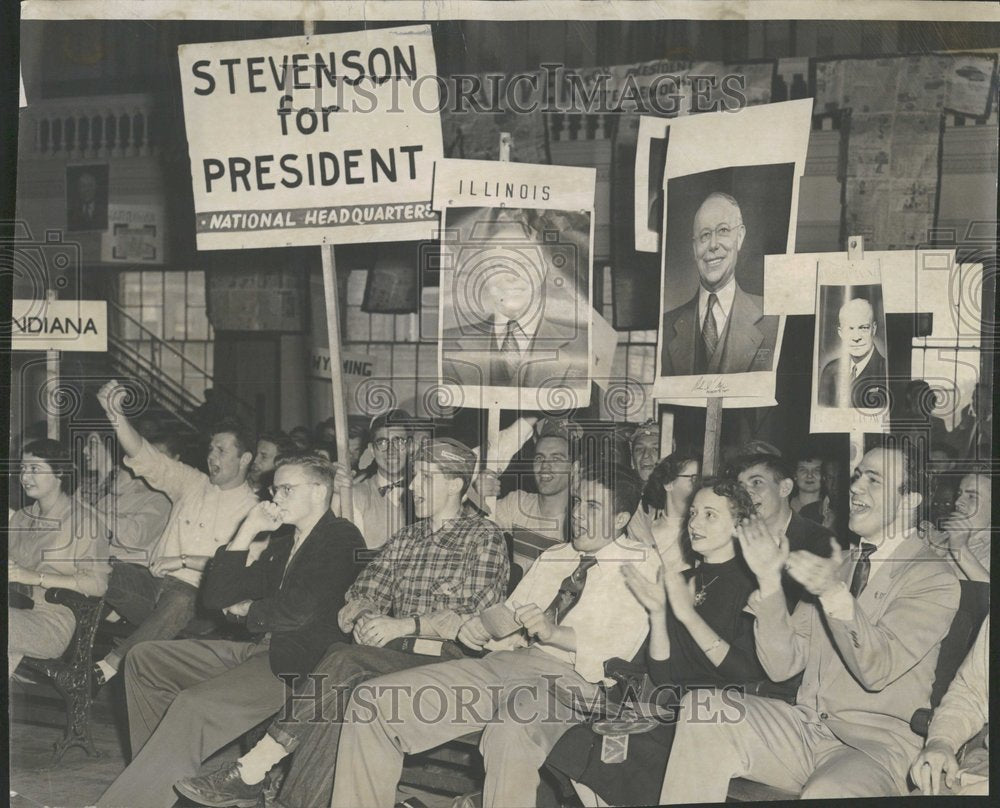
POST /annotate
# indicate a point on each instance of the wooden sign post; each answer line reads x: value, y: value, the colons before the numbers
x: 490, y: 450
x: 856, y: 252
x: 51, y: 382
x: 56, y: 326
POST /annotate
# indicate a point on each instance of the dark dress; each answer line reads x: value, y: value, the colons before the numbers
x: 637, y: 780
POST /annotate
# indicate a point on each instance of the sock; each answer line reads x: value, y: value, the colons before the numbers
x: 256, y: 763
x: 108, y: 671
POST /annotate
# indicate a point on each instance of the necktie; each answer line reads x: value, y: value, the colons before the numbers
x: 862, y: 569
x: 510, y: 347
x: 385, y: 489
x: 710, y: 329
x: 569, y: 590
x: 854, y: 371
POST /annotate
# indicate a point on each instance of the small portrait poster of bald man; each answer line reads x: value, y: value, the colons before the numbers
x: 515, y: 309
x: 850, y: 381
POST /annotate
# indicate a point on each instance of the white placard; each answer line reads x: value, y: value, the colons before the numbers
x: 515, y: 316
x: 312, y: 140
x: 733, y: 177
x: 59, y: 325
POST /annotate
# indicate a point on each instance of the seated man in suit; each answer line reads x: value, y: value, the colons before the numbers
x: 189, y: 698
x: 533, y: 334
x: 854, y: 379
x: 867, y: 647
x: 722, y: 329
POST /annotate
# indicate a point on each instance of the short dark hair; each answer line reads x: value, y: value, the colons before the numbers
x: 654, y: 495
x: 740, y: 504
x: 776, y: 465
x: 282, y: 442
x: 621, y: 481
x: 55, y: 455
x: 233, y: 426
x: 391, y: 418
x: 317, y: 468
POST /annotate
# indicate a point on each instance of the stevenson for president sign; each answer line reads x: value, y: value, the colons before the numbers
x: 312, y: 140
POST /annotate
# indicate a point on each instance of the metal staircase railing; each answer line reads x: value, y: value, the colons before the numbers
x: 172, y: 393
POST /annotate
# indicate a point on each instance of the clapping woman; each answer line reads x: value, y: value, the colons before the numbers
x: 699, y: 637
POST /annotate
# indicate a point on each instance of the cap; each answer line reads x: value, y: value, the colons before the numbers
x: 552, y: 428
x: 450, y: 455
x: 648, y: 427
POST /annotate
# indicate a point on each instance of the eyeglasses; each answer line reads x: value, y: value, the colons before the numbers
x: 397, y: 443
x: 689, y: 476
x: 285, y: 489
x: 723, y: 232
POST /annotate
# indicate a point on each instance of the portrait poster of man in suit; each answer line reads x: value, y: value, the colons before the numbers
x: 515, y: 310
x: 87, y: 197
x: 719, y: 225
x: 852, y: 367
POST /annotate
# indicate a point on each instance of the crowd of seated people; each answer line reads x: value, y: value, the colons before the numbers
x: 369, y: 612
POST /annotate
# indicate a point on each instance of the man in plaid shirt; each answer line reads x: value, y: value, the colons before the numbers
x: 405, y: 610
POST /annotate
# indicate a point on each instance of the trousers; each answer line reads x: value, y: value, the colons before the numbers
x: 772, y: 742
x: 311, y: 722
x: 187, y: 699
x: 512, y: 696
x: 44, y: 632
x: 160, y: 608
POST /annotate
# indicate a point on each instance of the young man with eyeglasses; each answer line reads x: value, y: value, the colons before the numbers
x: 379, y: 496
x: 404, y: 610
x: 722, y: 329
x: 285, y: 575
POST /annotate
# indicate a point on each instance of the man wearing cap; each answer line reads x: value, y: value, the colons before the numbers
x: 572, y: 612
x: 644, y: 446
x: 405, y: 610
x: 379, y: 494
x: 539, y: 519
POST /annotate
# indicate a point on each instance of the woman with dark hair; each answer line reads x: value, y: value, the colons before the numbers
x: 699, y: 636
x: 55, y: 541
x: 666, y: 498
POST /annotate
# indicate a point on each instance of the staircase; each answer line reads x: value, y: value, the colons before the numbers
x: 171, y: 397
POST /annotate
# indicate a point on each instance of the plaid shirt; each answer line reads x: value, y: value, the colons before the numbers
x: 444, y: 576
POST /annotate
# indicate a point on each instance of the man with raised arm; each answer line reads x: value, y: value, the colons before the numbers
x: 207, y: 508
x: 867, y: 651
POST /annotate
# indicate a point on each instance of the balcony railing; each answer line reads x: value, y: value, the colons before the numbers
x: 90, y: 127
